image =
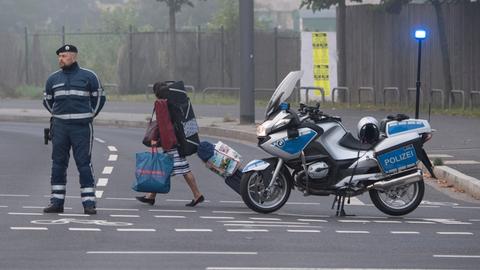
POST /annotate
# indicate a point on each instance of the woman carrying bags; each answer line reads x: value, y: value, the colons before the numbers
x: 171, y: 137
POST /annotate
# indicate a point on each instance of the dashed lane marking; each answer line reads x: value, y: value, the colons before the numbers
x: 419, y: 222
x: 304, y: 231
x: 387, y: 221
x: 102, y: 182
x: 99, y: 140
x: 174, y: 252
x: 265, y: 219
x: 85, y: 229
x: 474, y: 220
x: 120, y: 199
x: 125, y: 216
x: 353, y: 221
x: 448, y: 221
x: 193, y: 230
x: 112, y: 157
x: 3, y: 206
x: 117, y: 209
x: 457, y: 256
x: 311, y: 220
x: 170, y: 216
x: 107, y: 170
x: 461, y: 162
x: 216, y: 217
x: 135, y: 230
x: 25, y: 214
x: 14, y: 195
x: 247, y: 230
x: 74, y: 215
x: 267, y: 222
x: 404, y: 232
x: 455, y: 233
x: 234, y: 212
x: 439, y: 156
x: 172, y: 210
x: 269, y: 225
x: 112, y: 148
x: 353, y: 232
x: 466, y: 207
x: 29, y: 228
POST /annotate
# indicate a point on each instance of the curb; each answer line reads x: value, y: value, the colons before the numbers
x: 462, y: 181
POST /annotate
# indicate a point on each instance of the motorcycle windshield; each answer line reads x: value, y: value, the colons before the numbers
x: 283, y: 92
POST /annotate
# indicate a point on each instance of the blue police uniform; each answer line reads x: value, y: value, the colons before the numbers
x: 74, y: 96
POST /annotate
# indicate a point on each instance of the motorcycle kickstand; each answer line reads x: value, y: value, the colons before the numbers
x: 342, y: 209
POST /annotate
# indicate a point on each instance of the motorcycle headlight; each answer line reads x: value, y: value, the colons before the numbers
x: 264, y: 128
x: 281, y: 123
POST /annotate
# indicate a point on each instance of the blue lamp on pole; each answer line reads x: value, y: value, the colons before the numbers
x: 420, y: 34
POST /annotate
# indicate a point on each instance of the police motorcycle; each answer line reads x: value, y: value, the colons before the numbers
x: 314, y: 153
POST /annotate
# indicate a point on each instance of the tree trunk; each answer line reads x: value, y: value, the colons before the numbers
x: 173, y: 41
x: 341, y: 48
x: 447, y: 75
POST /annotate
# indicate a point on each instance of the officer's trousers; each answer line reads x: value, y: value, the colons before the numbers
x: 79, y: 138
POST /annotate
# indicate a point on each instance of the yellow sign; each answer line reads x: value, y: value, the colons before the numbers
x: 320, y: 62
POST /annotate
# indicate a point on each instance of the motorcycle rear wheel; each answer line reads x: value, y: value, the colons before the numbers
x: 253, y: 188
x: 399, y: 200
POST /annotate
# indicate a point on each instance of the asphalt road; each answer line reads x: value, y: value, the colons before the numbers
x: 219, y: 234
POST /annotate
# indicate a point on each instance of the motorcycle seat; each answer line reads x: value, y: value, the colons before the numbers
x: 349, y: 141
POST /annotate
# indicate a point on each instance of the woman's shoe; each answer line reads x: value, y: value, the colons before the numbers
x: 195, y: 202
x: 145, y: 200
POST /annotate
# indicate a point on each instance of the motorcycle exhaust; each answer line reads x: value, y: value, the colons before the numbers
x: 400, y: 181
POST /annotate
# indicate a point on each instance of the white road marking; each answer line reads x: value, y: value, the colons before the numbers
x: 112, y: 148
x: 475, y: 220
x: 302, y: 203
x: 216, y: 217
x: 419, y: 222
x: 233, y: 212
x: 85, y: 229
x: 304, y: 231
x: 460, y: 162
x: 353, y: 232
x: 117, y: 209
x: 353, y: 221
x: 112, y: 157
x: 193, y: 230
x: 107, y: 170
x: 429, y: 206
x: 25, y: 214
x: 175, y: 252
x: 266, y: 222
x: 247, y: 230
x: 387, y: 221
x: 99, y: 193
x: 230, y: 202
x: 455, y: 233
x: 74, y: 215
x: 102, y: 182
x: 311, y: 220
x: 298, y: 268
x: 126, y: 216
x: 14, y: 195
x: 272, y: 219
x: 174, y: 200
x: 269, y: 225
x: 448, y: 221
x: 439, y: 156
x: 306, y: 216
x: 170, y: 216
x: 457, y: 256
x: 33, y: 207
x: 173, y: 210
x: 99, y: 140
x: 3, y: 206
x: 404, y: 232
x: 136, y: 230
x: 29, y: 228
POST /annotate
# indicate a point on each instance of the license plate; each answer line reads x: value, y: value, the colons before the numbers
x: 398, y: 159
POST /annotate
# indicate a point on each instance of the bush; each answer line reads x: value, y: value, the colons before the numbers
x: 28, y: 91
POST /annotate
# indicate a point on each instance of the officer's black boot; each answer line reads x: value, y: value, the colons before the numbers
x: 53, y: 208
x: 89, y: 210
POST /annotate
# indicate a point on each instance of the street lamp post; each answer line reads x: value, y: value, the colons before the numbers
x: 419, y: 36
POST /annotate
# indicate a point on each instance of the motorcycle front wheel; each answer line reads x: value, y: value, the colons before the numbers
x: 258, y: 197
x: 399, y: 200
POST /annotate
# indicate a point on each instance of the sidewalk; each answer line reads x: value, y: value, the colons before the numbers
x: 215, y: 126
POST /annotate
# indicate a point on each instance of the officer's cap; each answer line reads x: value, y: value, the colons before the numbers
x: 67, y: 48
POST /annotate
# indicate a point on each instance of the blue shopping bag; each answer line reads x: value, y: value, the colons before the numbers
x: 152, y: 172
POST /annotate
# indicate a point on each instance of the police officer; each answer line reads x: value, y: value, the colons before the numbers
x: 74, y: 96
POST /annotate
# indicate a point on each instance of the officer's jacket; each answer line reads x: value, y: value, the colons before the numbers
x: 73, y: 95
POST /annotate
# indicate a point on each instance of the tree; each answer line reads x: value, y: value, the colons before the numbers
x: 315, y: 5
x: 174, y: 6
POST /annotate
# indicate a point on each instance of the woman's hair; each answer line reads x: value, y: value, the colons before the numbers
x: 161, y: 90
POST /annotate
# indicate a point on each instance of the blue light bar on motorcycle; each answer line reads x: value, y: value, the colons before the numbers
x: 420, y: 34
x: 284, y: 106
